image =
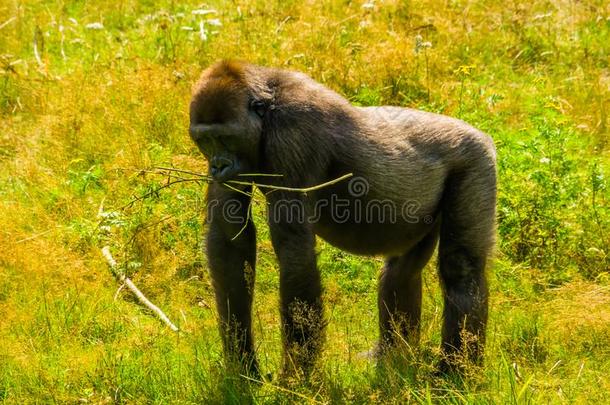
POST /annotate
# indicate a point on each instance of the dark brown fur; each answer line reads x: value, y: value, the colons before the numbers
x: 250, y: 119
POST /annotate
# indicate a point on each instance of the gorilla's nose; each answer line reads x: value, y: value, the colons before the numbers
x: 220, y: 167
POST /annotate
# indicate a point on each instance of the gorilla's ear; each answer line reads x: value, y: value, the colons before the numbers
x: 259, y: 107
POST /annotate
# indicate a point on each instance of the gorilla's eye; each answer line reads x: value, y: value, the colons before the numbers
x: 258, y: 107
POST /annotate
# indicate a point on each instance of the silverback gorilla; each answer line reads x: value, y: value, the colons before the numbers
x: 418, y: 179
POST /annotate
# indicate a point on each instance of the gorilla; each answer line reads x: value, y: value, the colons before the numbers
x: 418, y: 179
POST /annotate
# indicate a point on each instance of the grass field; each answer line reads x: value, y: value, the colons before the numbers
x: 93, y: 92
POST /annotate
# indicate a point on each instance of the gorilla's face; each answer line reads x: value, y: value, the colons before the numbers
x: 226, y: 125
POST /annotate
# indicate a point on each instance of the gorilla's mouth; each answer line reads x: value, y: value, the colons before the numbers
x: 223, y: 168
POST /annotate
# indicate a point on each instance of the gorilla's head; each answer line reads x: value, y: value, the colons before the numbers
x: 226, y: 119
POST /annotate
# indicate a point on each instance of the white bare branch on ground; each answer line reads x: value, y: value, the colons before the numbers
x: 132, y: 287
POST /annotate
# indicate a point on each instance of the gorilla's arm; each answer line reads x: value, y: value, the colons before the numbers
x: 300, y: 286
x: 232, y: 267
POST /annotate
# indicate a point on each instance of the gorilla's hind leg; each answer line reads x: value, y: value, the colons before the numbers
x: 400, y: 293
x: 466, y: 240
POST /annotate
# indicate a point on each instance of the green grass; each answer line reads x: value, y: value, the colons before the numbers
x: 76, y: 127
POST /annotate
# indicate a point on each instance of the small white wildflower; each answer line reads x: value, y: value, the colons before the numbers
x: 203, y: 11
x: 542, y: 16
x: 369, y: 5
x: 108, y: 214
x: 73, y: 21
x: 545, y: 160
x: 421, y: 44
x: 95, y: 26
x: 214, y: 21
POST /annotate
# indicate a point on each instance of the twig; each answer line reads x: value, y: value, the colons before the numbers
x: 118, y: 291
x: 7, y: 22
x: 230, y: 187
x: 141, y: 297
x: 296, y: 189
x: 203, y: 177
x: 172, y: 169
x: 33, y: 236
x: 275, y: 188
x: 243, y: 228
x: 155, y: 191
x: 260, y: 175
x: 168, y: 174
